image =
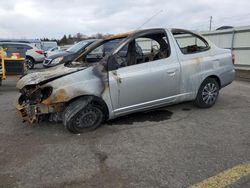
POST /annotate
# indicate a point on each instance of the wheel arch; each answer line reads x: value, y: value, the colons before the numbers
x: 217, y: 78
x: 94, y: 100
x: 28, y: 56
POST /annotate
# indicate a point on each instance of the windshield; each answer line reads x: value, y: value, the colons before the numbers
x: 75, y: 48
x: 96, y: 52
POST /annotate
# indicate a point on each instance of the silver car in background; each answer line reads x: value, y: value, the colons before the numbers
x: 146, y: 69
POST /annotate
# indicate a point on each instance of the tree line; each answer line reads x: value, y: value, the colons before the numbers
x: 75, y: 38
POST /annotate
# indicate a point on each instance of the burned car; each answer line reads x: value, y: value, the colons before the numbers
x: 147, y: 69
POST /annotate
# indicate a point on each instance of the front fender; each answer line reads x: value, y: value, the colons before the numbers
x: 64, y: 93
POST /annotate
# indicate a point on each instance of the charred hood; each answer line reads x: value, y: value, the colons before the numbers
x: 40, y: 78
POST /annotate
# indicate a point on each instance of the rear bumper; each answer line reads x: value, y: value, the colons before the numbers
x: 227, y: 78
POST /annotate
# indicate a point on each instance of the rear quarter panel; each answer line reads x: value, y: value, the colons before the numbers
x: 196, y: 67
x: 220, y: 66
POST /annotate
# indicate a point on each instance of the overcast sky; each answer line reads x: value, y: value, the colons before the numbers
x: 54, y: 18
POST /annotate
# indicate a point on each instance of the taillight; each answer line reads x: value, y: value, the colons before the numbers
x: 41, y: 52
x: 233, y: 58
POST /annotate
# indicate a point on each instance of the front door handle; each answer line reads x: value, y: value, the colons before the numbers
x: 216, y: 60
x: 172, y: 72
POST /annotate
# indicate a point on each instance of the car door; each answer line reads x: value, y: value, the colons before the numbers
x: 146, y: 84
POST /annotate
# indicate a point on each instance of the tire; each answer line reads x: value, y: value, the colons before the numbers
x: 207, y: 94
x: 25, y: 67
x: 82, y: 116
x: 0, y: 81
x: 30, y: 62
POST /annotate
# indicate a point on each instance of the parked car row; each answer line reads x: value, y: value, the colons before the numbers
x: 118, y: 75
x: 52, y: 55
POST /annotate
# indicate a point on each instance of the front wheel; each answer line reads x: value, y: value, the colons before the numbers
x: 207, y: 94
x: 82, y: 117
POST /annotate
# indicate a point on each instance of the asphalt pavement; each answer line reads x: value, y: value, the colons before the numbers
x: 176, y: 146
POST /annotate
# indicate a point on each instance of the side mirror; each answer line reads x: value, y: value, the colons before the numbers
x: 112, y: 63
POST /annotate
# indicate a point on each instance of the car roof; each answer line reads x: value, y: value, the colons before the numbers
x: 124, y: 35
x: 17, y: 43
x: 145, y: 31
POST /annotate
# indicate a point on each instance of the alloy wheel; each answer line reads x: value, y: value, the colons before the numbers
x: 209, y: 93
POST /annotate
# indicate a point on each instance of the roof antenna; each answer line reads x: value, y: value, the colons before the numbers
x: 149, y: 19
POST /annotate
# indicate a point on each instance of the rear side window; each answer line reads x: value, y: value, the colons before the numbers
x: 190, y: 43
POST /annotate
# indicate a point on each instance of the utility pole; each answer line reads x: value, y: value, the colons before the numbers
x: 210, y: 23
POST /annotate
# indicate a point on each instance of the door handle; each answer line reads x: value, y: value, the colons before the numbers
x: 172, y: 72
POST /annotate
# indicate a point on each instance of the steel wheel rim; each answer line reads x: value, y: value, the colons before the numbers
x: 87, y: 119
x: 209, y: 93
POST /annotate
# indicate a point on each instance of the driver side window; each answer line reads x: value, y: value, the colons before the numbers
x: 144, y: 49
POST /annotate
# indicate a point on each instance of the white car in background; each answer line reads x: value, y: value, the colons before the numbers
x: 34, y: 55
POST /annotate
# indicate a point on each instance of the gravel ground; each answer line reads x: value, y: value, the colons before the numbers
x: 176, y: 146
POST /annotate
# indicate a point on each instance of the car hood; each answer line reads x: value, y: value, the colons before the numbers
x: 59, y: 54
x: 46, y: 76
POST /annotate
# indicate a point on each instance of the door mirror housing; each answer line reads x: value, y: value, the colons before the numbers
x: 112, y: 63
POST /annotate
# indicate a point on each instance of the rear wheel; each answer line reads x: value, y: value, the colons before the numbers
x: 207, y: 94
x: 82, y: 116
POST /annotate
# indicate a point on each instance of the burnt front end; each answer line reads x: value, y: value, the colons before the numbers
x: 30, y: 103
